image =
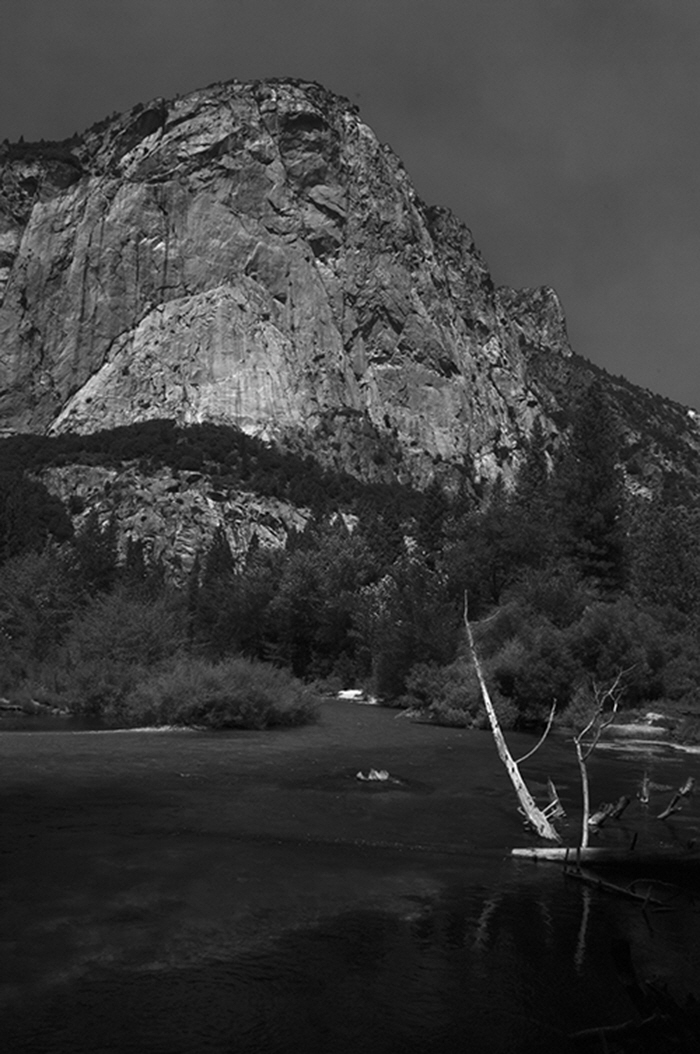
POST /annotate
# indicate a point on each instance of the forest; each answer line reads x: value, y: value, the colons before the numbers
x: 571, y: 578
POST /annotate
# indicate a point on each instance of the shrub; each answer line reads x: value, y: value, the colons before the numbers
x: 536, y: 670
x: 123, y: 629
x: 111, y: 647
x: 501, y: 626
x: 235, y: 693
x: 578, y: 711
x: 611, y: 637
x: 557, y: 593
x: 681, y: 678
x: 39, y: 596
x: 97, y: 689
x: 450, y: 695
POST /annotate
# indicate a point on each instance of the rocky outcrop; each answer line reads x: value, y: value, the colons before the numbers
x: 173, y: 514
x: 251, y: 254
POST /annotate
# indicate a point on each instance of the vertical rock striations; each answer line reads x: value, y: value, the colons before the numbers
x: 250, y: 254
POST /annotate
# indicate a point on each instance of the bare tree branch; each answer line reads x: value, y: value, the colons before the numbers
x: 598, y: 722
x: 543, y: 737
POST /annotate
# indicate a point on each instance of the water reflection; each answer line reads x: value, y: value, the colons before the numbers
x: 244, y: 893
x: 515, y: 966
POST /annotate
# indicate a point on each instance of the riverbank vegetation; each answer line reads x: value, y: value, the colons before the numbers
x: 572, y: 576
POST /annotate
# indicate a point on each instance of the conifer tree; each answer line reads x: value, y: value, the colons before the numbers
x: 213, y: 624
x: 192, y: 594
x: 590, y: 490
x: 665, y: 555
x: 30, y: 516
x: 96, y: 548
x: 534, y: 514
x: 382, y: 531
x: 432, y: 516
x: 219, y: 559
x: 533, y: 475
x: 134, y: 571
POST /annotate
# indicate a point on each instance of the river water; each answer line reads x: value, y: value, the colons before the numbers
x: 181, y: 891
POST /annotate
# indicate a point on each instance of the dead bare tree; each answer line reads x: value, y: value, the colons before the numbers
x: 536, y: 816
x: 607, y: 701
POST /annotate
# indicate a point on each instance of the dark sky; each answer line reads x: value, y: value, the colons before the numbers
x: 564, y: 132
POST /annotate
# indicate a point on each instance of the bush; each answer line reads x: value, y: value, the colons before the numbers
x: 121, y: 629
x: 681, y: 678
x: 39, y: 596
x: 97, y: 689
x: 611, y: 637
x: 578, y: 711
x: 557, y: 593
x: 536, y: 670
x: 450, y: 695
x: 504, y: 624
x: 112, y: 645
x: 235, y: 693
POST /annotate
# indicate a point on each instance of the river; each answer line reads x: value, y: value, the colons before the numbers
x: 181, y: 891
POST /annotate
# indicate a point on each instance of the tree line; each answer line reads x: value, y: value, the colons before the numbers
x: 570, y: 579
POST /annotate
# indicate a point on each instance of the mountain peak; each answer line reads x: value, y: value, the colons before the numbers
x: 250, y: 254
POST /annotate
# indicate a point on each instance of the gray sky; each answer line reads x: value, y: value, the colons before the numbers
x: 564, y: 132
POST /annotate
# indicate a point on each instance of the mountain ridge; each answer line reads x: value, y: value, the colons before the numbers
x: 251, y: 255
x: 270, y: 198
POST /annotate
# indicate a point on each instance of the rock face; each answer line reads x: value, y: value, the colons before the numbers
x: 174, y: 514
x: 251, y: 254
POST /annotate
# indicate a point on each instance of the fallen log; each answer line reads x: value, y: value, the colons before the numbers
x: 676, y: 802
x: 609, y: 811
x: 607, y: 855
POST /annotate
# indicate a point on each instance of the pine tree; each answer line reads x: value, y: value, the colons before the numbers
x: 96, y: 548
x: 192, y: 598
x: 219, y: 560
x: 214, y: 624
x: 591, y: 494
x: 29, y: 515
x: 533, y: 475
x: 382, y: 531
x: 535, y: 520
x: 432, y: 516
x: 134, y: 571
x: 665, y: 555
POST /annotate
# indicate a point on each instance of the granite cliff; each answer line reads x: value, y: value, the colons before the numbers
x: 251, y: 255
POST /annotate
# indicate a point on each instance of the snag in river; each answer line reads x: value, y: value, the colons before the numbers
x: 536, y: 816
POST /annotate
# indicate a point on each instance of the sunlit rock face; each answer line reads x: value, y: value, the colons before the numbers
x: 250, y: 254
x: 173, y: 514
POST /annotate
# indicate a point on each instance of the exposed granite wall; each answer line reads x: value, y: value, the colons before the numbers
x: 251, y: 254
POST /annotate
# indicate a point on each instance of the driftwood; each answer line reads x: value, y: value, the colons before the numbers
x: 608, y: 811
x: 676, y: 802
x: 555, y: 809
x: 534, y: 814
x: 593, y: 854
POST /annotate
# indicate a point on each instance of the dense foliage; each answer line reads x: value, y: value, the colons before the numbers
x: 228, y: 456
x: 570, y: 581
